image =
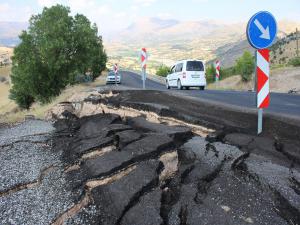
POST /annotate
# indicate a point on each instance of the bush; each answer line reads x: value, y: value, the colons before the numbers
x: 52, y: 52
x: 163, y: 71
x: 224, y: 73
x: 295, y: 61
x: 210, y: 73
x: 245, y: 66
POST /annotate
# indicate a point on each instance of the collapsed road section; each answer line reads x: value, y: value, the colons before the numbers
x: 123, y: 163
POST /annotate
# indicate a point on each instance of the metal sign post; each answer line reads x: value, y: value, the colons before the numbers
x: 261, y: 34
x: 144, y: 77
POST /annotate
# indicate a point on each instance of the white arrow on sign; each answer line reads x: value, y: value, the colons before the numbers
x: 265, y: 32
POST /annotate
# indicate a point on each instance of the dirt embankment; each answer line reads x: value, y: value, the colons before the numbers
x: 282, y: 80
x: 113, y: 159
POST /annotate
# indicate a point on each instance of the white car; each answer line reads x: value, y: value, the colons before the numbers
x: 186, y: 74
x: 111, y: 78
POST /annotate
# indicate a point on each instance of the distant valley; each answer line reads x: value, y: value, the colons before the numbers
x: 172, y: 40
x: 168, y: 40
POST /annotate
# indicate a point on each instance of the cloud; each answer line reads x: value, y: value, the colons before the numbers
x: 165, y: 15
x: 4, y: 7
x: 144, y: 3
x: 20, y: 14
x: 48, y: 3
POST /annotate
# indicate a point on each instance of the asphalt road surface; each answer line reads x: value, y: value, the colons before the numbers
x: 288, y: 104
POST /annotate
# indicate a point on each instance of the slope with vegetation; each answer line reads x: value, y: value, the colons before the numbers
x: 284, y: 51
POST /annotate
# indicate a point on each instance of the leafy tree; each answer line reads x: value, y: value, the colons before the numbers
x: 210, y: 73
x: 52, y: 52
x: 163, y: 71
x: 245, y: 66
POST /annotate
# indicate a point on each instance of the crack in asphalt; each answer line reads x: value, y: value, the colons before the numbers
x: 30, y: 185
x: 204, y: 183
x: 137, y: 196
x: 87, y: 197
x: 25, y: 141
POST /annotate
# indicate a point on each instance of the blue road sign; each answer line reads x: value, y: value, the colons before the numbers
x: 262, y: 30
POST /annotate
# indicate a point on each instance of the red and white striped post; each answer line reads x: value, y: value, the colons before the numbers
x: 144, y: 58
x: 263, y: 84
x: 116, y: 72
x: 218, y: 68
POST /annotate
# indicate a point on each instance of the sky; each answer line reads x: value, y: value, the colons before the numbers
x: 113, y: 15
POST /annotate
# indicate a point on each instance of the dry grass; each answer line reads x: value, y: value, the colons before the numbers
x: 231, y: 83
x: 9, y: 112
x: 281, y: 80
x: 5, y: 71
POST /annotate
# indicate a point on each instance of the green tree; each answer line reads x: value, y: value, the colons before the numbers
x: 245, y: 66
x: 210, y: 73
x: 163, y: 70
x: 52, y: 52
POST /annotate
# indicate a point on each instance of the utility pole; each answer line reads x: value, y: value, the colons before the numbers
x: 297, y: 41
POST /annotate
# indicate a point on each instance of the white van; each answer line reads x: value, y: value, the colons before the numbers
x: 187, y: 73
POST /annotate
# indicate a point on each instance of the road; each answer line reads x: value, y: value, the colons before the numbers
x: 286, y: 104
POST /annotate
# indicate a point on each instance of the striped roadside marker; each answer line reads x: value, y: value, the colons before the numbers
x: 263, y: 74
x: 218, y: 68
x: 144, y: 58
x: 116, y: 68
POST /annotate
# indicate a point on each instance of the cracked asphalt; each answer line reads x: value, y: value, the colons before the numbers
x: 111, y: 170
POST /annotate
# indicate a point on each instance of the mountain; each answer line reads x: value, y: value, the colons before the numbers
x: 171, y: 40
x: 9, y: 32
x: 151, y: 30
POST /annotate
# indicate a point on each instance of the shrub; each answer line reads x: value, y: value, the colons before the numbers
x: 245, y: 66
x: 295, y: 61
x: 210, y: 73
x: 163, y: 71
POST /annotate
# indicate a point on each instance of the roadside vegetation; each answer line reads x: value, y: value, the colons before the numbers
x: 11, y: 113
x: 163, y: 70
x: 295, y: 62
x: 244, y: 67
x: 54, y: 51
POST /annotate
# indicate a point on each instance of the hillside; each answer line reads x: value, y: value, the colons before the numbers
x: 5, y: 55
x: 285, y: 49
x: 171, y: 40
x: 282, y: 80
